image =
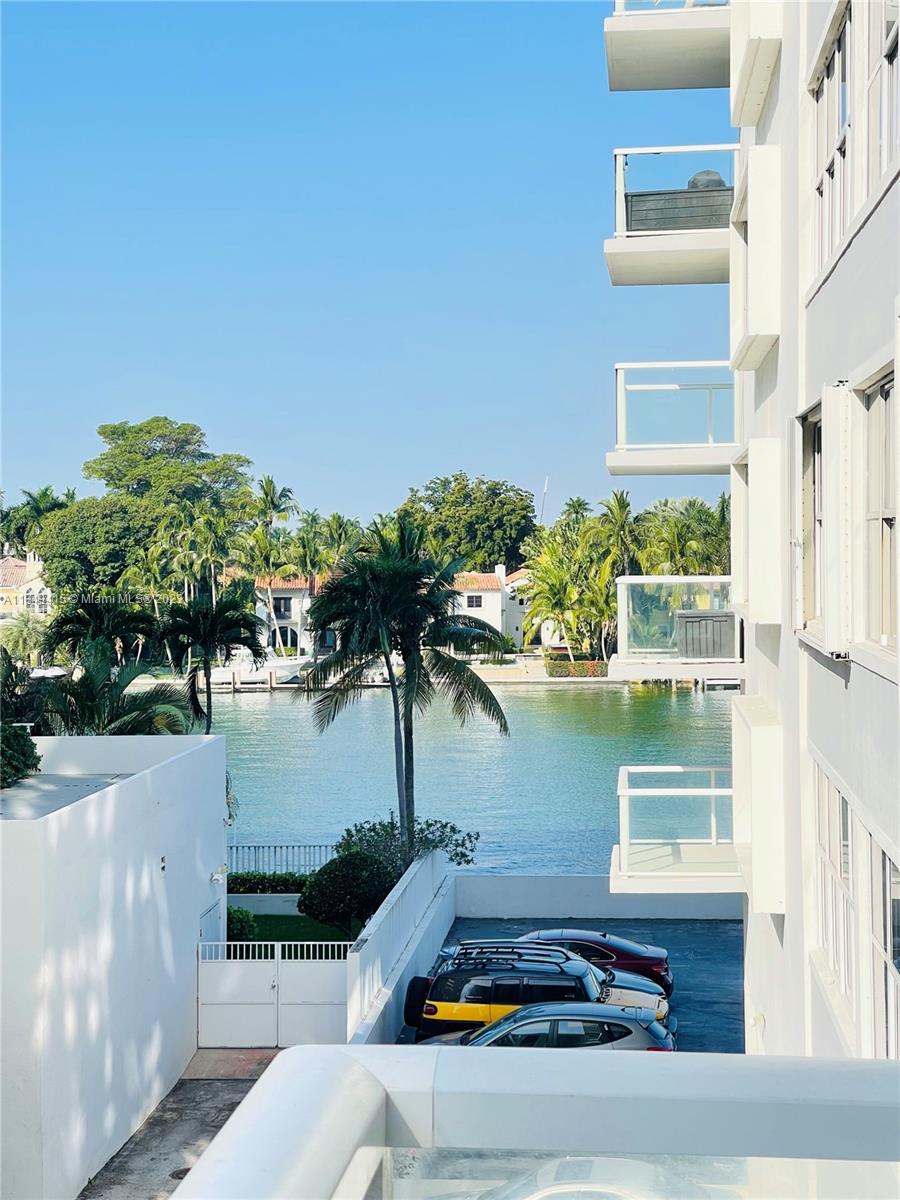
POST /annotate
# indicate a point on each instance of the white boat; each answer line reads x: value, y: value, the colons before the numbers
x: 243, y: 670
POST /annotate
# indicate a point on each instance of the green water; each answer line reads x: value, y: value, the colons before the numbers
x: 543, y: 799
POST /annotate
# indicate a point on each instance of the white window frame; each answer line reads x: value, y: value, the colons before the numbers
x: 882, y: 89
x: 886, y: 989
x: 835, y: 884
x: 833, y: 144
x: 476, y: 601
x: 813, y: 542
x: 881, y: 515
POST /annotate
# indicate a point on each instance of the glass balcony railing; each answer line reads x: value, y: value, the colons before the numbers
x: 676, y: 821
x: 633, y: 6
x: 675, y: 189
x: 674, y: 404
x: 682, y: 617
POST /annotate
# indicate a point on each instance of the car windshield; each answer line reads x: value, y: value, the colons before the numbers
x: 603, y: 976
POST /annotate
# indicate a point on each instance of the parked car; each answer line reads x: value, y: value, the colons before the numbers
x: 483, y: 981
x: 569, y: 1026
x: 610, y: 950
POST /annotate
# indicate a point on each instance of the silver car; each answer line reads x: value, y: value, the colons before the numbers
x: 569, y: 1025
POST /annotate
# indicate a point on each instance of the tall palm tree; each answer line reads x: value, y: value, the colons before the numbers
x: 199, y: 632
x: 575, y: 510
x: 551, y: 593
x: 121, y: 627
x: 618, y: 532
x: 339, y: 535
x: 266, y: 555
x: 23, y: 636
x: 99, y: 702
x: 152, y: 572
x: 274, y: 503
x: 35, y: 507
x: 389, y: 598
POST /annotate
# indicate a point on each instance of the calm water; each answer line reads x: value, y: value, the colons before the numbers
x: 543, y: 798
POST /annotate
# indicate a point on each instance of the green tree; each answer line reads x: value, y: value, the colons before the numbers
x: 87, y: 545
x: 199, y: 632
x: 481, y: 521
x: 575, y: 510
x: 391, y: 598
x: 265, y: 556
x: 19, y: 699
x: 346, y: 891
x: 18, y: 754
x: 99, y: 702
x: 123, y: 627
x: 274, y: 503
x: 551, y: 593
x: 23, y: 637
x: 163, y: 461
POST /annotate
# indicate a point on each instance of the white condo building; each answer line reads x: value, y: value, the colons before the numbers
x: 802, y: 219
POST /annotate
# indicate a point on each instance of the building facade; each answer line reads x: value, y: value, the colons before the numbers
x: 22, y: 588
x: 812, y: 258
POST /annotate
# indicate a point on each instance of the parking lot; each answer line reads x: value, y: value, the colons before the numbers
x: 706, y: 959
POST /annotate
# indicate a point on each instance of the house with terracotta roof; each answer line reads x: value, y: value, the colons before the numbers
x: 291, y: 599
x: 22, y: 588
x: 495, y: 597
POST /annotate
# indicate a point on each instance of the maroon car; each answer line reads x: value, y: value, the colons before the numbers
x: 609, y: 950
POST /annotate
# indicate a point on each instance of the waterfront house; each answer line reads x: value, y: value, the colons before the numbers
x: 22, y: 587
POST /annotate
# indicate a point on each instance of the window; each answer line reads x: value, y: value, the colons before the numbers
x: 29, y: 599
x: 886, y: 950
x: 813, y: 515
x: 535, y: 1033
x: 459, y: 988
x: 473, y: 602
x: 883, y: 87
x: 590, y: 1033
x: 507, y: 991
x: 282, y: 606
x: 543, y: 991
x: 881, y: 525
x: 477, y: 991
x: 834, y: 199
x: 835, y: 884
x: 43, y: 601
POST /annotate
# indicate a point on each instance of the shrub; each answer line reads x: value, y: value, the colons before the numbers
x: 349, y: 888
x: 18, y: 754
x: 381, y: 839
x: 241, y: 925
x: 581, y: 668
x: 244, y: 882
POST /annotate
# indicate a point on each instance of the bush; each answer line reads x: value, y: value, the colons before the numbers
x: 349, y: 888
x: 244, y: 882
x: 581, y: 668
x: 241, y: 925
x: 18, y: 754
x: 381, y: 840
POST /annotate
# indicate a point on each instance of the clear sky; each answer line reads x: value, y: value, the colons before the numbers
x: 360, y: 243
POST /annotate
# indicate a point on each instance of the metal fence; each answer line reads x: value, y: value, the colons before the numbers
x: 271, y: 858
x: 265, y: 951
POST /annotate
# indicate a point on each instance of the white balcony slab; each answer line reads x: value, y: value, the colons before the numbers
x: 672, y: 460
x: 660, y: 669
x: 666, y: 48
x: 692, y: 256
x: 660, y: 869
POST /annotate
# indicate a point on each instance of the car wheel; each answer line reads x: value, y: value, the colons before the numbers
x: 416, y: 994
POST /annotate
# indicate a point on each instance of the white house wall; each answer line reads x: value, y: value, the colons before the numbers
x: 102, y: 903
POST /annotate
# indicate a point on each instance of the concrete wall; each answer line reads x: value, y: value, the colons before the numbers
x: 280, y: 904
x: 100, y: 966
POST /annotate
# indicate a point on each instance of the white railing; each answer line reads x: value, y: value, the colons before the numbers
x: 252, y: 951
x: 674, y: 404
x: 686, y: 618
x: 274, y: 858
x: 679, y: 822
x: 673, y: 189
x: 651, y: 6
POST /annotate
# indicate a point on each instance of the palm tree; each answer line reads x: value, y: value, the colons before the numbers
x: 551, y: 593
x: 19, y: 694
x: 618, y: 532
x: 23, y: 636
x: 339, y: 535
x: 387, y: 598
x: 575, y: 510
x: 274, y: 503
x: 35, y: 507
x: 121, y: 627
x: 265, y: 554
x: 151, y: 572
x: 99, y: 702
x: 203, y: 631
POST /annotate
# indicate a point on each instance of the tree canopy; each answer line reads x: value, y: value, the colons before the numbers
x: 482, y: 521
x: 87, y: 545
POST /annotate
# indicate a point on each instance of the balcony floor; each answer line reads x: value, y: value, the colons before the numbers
x: 672, y: 460
x: 689, y: 256
x: 689, y: 48
x: 645, y: 667
x: 672, y: 858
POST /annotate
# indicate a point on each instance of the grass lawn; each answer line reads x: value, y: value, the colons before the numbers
x: 276, y: 928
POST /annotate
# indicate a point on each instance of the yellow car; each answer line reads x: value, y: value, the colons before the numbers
x: 483, y: 981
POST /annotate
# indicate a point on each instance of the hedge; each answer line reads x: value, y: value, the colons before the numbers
x: 244, y: 882
x: 561, y: 668
x: 241, y: 925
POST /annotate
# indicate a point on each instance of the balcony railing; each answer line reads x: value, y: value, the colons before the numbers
x: 676, y: 821
x: 632, y: 6
x: 674, y: 404
x: 681, y: 617
x: 673, y: 189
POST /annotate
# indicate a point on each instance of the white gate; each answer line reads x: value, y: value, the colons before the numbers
x: 271, y: 993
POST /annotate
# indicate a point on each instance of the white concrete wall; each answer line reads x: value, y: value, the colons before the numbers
x: 100, y: 965
x: 319, y: 1109
x: 560, y: 897
x: 280, y: 904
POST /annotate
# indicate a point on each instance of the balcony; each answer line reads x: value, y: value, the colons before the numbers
x: 673, y: 206
x: 674, y: 419
x: 675, y: 831
x: 677, y: 627
x: 656, y: 44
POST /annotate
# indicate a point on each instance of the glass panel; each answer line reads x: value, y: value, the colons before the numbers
x: 894, y: 913
x: 671, y: 406
x: 678, y: 190
x: 537, y: 1033
x: 690, y: 619
x: 845, y: 841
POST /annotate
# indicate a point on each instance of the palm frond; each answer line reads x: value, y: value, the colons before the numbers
x: 347, y: 688
x: 466, y: 692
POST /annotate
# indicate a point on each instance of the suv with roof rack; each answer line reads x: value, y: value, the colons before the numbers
x: 482, y: 981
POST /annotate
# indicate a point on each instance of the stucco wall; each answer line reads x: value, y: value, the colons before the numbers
x: 99, y: 967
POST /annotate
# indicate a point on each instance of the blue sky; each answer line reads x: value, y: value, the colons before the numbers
x: 360, y: 243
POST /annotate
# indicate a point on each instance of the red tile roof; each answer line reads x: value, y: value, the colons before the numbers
x: 477, y: 581
x: 296, y: 583
x: 522, y: 573
x: 12, y: 571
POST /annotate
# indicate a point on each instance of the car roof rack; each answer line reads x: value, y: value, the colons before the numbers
x: 500, y: 951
